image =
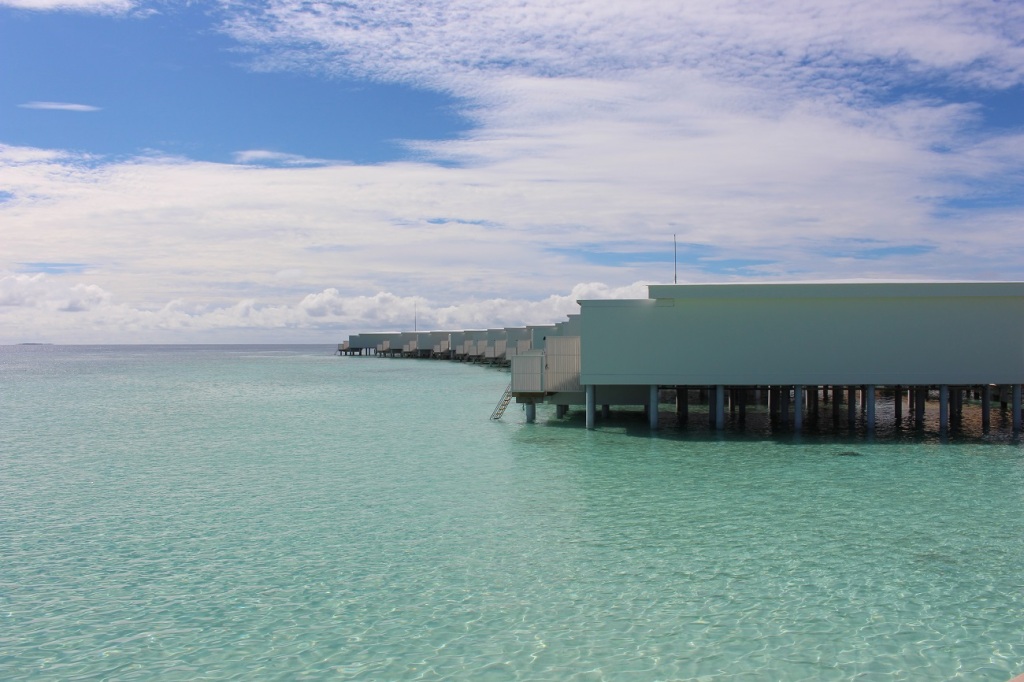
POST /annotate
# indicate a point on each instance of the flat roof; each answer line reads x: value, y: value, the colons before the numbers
x: 835, y: 290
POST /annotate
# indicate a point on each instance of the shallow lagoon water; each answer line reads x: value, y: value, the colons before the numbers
x: 278, y: 512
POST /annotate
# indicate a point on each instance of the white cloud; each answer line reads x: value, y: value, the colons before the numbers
x: 558, y: 186
x: 22, y: 290
x: 266, y: 157
x: 59, y: 106
x: 765, y: 136
x: 779, y: 43
x: 38, y: 307
x: 84, y: 297
x: 13, y: 156
x: 101, y: 6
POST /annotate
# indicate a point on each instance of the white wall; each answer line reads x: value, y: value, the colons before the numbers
x: 807, y: 334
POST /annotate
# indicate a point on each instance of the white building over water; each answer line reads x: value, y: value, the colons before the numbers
x: 797, y: 341
x: 794, y: 346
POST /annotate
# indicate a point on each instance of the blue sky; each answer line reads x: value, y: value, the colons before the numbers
x: 170, y: 82
x: 292, y: 171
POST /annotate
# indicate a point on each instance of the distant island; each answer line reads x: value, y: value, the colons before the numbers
x: 33, y: 343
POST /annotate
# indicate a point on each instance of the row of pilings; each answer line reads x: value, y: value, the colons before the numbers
x: 792, y: 406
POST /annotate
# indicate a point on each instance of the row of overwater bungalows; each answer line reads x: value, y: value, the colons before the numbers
x: 490, y: 346
x: 799, y: 344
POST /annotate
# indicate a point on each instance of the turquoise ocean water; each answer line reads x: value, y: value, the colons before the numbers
x: 280, y: 513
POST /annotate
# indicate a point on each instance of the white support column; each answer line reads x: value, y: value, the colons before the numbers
x: 606, y: 411
x: 720, y: 407
x: 943, y: 408
x: 591, y: 416
x: 1016, y: 408
x: 652, y: 406
x: 798, y: 407
x: 531, y: 413
x: 870, y: 398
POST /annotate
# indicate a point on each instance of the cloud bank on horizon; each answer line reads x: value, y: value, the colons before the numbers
x: 482, y: 160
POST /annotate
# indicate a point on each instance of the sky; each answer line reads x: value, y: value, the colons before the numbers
x: 295, y: 171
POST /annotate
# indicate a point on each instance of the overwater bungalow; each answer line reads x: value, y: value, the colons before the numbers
x: 795, y: 347
x: 796, y: 342
x: 517, y: 340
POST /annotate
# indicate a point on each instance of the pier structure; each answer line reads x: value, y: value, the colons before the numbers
x: 474, y: 346
x: 456, y: 343
x: 366, y: 343
x: 494, y: 350
x: 516, y: 340
x: 802, y: 352
x: 796, y: 346
x: 538, y: 333
x: 494, y: 346
x: 426, y: 344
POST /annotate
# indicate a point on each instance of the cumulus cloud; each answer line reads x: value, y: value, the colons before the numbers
x: 37, y: 307
x: 40, y: 291
x: 22, y: 290
x: 385, y: 310
x: 85, y: 297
